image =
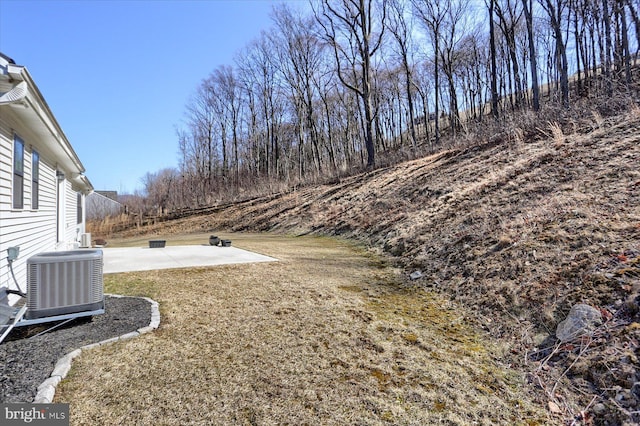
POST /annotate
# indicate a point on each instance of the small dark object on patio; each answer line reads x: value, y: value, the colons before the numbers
x: 100, y: 242
x: 225, y: 243
x: 214, y: 241
x: 157, y: 243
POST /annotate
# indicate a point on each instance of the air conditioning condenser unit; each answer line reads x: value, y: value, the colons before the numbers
x: 64, y: 282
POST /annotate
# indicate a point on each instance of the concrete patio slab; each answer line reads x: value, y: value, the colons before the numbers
x: 129, y: 259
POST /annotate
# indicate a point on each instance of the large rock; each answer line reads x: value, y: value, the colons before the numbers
x: 582, y: 320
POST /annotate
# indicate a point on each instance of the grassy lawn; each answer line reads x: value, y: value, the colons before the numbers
x: 327, y: 335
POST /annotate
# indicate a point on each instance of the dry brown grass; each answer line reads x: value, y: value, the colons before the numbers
x: 104, y: 228
x: 516, y: 227
x: 327, y: 335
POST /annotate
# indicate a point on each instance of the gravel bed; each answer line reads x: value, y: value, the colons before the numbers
x: 27, y: 361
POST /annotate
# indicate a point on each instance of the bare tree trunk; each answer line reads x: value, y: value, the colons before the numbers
x: 533, y: 55
x: 433, y: 13
x: 624, y: 35
x: 492, y: 53
x: 555, y: 14
x: 636, y: 22
x: 398, y: 28
x: 607, y: 51
x: 508, y: 26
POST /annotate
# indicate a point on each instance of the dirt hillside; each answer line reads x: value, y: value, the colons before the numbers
x: 519, y: 231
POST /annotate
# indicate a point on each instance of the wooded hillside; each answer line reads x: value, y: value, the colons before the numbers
x: 342, y: 85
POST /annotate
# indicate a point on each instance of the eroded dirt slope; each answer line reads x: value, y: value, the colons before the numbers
x: 519, y: 232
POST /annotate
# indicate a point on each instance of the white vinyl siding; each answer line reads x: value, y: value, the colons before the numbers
x: 6, y: 166
x: 34, y: 231
x: 72, y: 228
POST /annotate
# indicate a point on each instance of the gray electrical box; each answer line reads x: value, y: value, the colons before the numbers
x: 12, y: 253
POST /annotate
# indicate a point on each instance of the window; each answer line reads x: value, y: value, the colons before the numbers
x: 35, y: 180
x: 79, y: 208
x: 18, y: 173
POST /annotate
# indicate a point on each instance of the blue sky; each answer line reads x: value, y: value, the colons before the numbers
x: 117, y: 74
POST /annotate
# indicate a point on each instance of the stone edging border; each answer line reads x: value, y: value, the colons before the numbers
x: 47, y: 389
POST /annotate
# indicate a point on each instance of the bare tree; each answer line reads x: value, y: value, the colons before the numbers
x: 201, y: 143
x: 349, y: 28
x: 226, y: 90
x: 260, y: 76
x: 625, y: 53
x: 422, y: 78
x: 301, y: 53
x: 555, y: 10
x: 492, y: 54
x: 433, y: 14
x: 509, y: 17
x: 471, y: 71
x: 325, y: 84
x: 633, y: 10
x: 159, y: 190
x: 400, y: 29
x: 608, y: 46
x: 527, y: 6
x: 454, y: 33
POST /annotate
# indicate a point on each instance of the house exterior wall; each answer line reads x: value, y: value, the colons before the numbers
x: 33, y: 230
x: 73, y: 227
x: 100, y: 207
x: 52, y: 224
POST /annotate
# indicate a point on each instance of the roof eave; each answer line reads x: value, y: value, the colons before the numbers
x: 37, y: 110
